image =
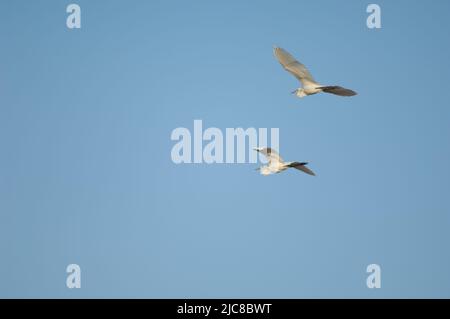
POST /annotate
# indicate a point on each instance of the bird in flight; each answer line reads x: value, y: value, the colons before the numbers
x: 277, y: 165
x: 309, y: 85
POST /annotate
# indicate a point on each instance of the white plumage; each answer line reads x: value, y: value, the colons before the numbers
x: 276, y: 164
x: 309, y: 85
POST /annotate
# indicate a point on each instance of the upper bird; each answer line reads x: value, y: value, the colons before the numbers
x: 309, y: 85
x: 277, y: 165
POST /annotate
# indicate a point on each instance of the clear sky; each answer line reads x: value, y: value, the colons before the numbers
x: 86, y: 175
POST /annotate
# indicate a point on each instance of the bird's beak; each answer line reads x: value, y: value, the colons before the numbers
x: 293, y: 92
x: 256, y: 149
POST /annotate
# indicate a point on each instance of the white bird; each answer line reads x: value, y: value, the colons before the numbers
x: 309, y: 85
x: 277, y: 165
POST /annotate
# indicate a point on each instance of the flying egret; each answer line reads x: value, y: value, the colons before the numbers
x: 277, y: 165
x: 309, y: 85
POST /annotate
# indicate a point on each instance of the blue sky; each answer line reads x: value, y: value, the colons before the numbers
x: 86, y: 175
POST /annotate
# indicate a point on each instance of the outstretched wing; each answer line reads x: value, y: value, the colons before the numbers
x: 302, y: 167
x: 294, y: 67
x: 338, y: 90
x: 272, y: 156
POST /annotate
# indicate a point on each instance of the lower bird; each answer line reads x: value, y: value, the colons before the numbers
x: 276, y: 164
x: 309, y: 85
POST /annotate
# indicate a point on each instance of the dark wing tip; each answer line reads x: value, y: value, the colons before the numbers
x: 338, y: 90
x: 351, y: 93
x: 308, y: 171
x: 302, y: 167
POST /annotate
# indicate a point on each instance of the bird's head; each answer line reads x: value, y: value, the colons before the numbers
x: 258, y: 149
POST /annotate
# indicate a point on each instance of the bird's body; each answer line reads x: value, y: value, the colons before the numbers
x: 273, y: 169
x: 308, y: 90
x: 277, y: 165
x: 309, y: 85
